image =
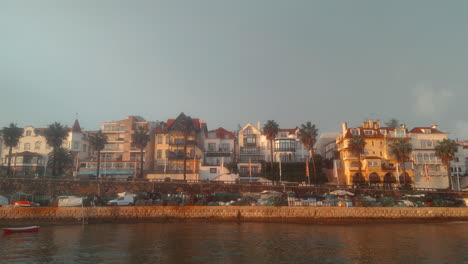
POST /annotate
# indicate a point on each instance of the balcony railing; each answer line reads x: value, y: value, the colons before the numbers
x: 285, y: 149
x: 182, y: 142
x: 248, y: 150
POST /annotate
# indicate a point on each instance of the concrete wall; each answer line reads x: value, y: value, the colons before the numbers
x: 235, y: 213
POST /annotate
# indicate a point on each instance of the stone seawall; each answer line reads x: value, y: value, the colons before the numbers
x: 44, y: 215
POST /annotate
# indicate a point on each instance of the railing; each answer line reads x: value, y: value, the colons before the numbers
x: 181, y: 143
x: 219, y: 150
x: 285, y: 149
x: 247, y: 150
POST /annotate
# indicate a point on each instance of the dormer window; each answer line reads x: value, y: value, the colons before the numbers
x: 426, y: 131
x: 28, y: 132
x: 368, y: 132
x: 355, y: 131
x: 383, y: 132
x: 248, y: 131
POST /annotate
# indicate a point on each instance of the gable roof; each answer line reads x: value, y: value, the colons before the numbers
x: 221, y: 133
x: 254, y: 128
x: 76, y: 127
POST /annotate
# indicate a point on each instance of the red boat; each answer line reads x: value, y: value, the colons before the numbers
x: 21, y: 229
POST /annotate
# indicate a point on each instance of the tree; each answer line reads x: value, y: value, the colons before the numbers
x: 445, y: 151
x: 392, y: 123
x: 356, y: 146
x: 140, y: 139
x: 63, y: 159
x: 97, y: 141
x: 308, y: 136
x: 184, y: 124
x: 55, y: 134
x: 270, y: 130
x: 11, y: 136
x: 402, y: 151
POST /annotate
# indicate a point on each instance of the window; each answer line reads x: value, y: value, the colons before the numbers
x: 432, y: 156
x: 426, y: 157
x: 423, y: 144
x: 225, y: 146
x: 159, y: 139
x: 27, y: 146
x: 168, y: 139
x: 457, y: 160
x: 420, y: 157
x: 28, y: 133
x: 213, y: 170
x: 248, y: 131
x: 211, y: 146
x: 373, y: 163
x: 368, y: 132
x: 76, y: 145
x: 383, y: 132
x: 37, y: 145
x: 401, y: 132
x: 373, y: 143
x: 429, y: 144
x: 355, y: 131
x: 249, y: 140
x: 427, y: 131
x: 282, y: 134
x: 159, y: 154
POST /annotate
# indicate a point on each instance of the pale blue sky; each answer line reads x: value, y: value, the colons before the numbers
x: 233, y: 62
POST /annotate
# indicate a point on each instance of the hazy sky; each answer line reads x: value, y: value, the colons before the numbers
x: 233, y: 62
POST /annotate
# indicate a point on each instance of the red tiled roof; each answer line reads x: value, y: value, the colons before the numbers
x: 419, y: 130
x: 221, y: 133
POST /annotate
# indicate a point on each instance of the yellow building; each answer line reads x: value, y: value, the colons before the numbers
x: 379, y: 167
x: 169, y: 150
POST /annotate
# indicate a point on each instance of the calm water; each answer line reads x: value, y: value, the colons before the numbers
x: 239, y: 243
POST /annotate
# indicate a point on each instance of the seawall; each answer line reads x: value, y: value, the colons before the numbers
x: 78, y: 215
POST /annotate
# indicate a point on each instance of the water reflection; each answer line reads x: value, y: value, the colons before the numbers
x: 237, y: 243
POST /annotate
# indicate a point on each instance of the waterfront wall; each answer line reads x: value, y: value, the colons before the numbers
x: 235, y: 213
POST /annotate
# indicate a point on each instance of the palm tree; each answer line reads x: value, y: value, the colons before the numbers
x: 55, y: 134
x: 308, y: 136
x: 445, y: 151
x: 140, y: 139
x: 392, y: 123
x: 11, y: 136
x: 402, y: 151
x: 184, y: 124
x: 356, y: 146
x: 270, y: 130
x: 97, y: 141
x: 63, y: 158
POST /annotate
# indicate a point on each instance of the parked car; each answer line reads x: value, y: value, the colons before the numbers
x: 122, y: 200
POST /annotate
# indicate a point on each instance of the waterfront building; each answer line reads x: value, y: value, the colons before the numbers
x: 219, y: 147
x: 378, y: 165
x: 428, y: 168
x: 326, y: 145
x: 169, y: 141
x: 29, y: 157
x: 459, y: 165
x: 119, y: 158
x: 249, y: 154
x: 286, y: 147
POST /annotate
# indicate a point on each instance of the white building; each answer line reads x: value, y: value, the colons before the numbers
x: 429, y: 172
x: 326, y: 144
x: 31, y: 154
x: 286, y: 147
x: 459, y: 166
x: 219, y: 147
x: 248, y: 149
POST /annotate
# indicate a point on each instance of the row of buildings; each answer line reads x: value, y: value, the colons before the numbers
x: 213, y: 154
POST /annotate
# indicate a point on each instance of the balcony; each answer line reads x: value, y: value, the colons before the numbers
x: 182, y: 143
x: 290, y: 149
x: 250, y: 150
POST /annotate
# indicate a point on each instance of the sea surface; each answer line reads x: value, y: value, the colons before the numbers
x: 239, y: 243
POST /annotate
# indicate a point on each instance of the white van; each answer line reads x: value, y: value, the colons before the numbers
x: 122, y: 200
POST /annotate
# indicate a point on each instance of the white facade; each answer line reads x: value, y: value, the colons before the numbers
x: 219, y: 147
x: 33, y: 141
x: 459, y: 166
x: 423, y: 141
x: 286, y: 147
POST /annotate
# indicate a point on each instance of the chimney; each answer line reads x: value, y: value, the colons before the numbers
x: 377, y: 124
x: 258, y: 126
x: 434, y: 126
x: 344, y: 127
x: 371, y: 124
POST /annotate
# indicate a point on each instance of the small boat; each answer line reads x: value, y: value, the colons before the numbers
x: 22, y: 204
x: 21, y: 229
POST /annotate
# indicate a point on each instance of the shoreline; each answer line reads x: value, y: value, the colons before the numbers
x: 237, y: 214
